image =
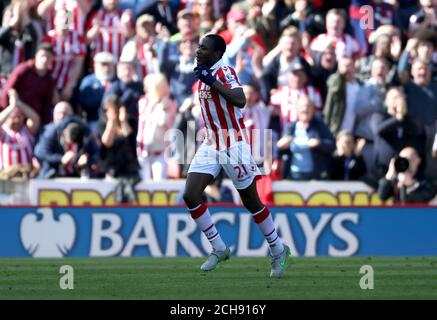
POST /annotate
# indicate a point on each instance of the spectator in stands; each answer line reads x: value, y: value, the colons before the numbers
x: 343, y: 88
x: 245, y: 50
x: 422, y: 93
x: 69, y: 55
x: 117, y: 141
x: 368, y: 15
x: 422, y: 47
x: 277, y: 62
x: 67, y: 148
x: 49, y: 133
x: 93, y: 87
x: 19, y: 124
x: 309, y: 22
x: 180, y: 72
x: 346, y: 164
x: 163, y: 12
x: 207, y: 19
x: 144, y: 47
x: 325, y: 64
x: 405, y: 183
x: 386, y: 41
x: 109, y: 28
x: 188, y: 27
x: 426, y: 17
x: 18, y: 39
x: 345, y: 44
x: 286, y: 97
x: 262, y: 16
x: 310, y: 142
x: 77, y: 9
x: 34, y: 84
x: 128, y: 90
x: 256, y: 120
x: 394, y: 130
x: 371, y: 98
x: 60, y: 111
x: 156, y: 116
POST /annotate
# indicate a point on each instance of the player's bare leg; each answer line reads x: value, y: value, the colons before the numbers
x: 195, y: 185
x: 278, y: 251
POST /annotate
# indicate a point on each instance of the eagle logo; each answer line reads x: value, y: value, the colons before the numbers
x: 45, y: 237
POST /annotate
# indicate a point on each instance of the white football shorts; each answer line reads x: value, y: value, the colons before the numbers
x: 237, y: 161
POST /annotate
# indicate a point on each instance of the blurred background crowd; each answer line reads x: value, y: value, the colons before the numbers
x: 90, y: 88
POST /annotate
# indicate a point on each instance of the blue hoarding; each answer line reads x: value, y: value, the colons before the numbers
x: 170, y: 231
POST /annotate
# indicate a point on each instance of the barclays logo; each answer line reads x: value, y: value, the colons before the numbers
x: 43, y: 236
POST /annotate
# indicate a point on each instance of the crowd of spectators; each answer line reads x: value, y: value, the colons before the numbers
x: 91, y: 88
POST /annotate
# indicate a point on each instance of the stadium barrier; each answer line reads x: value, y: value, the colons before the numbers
x: 164, y: 193
x: 170, y: 231
x: 78, y: 192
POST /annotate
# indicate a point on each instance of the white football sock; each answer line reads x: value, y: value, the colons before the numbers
x: 202, y: 217
x: 264, y: 220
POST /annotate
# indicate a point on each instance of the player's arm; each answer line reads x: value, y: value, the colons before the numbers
x: 234, y: 96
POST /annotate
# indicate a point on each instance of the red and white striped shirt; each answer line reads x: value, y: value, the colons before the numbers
x: 145, y: 57
x: 224, y: 122
x: 77, y: 18
x: 154, y: 119
x: 66, y: 47
x: 286, y: 99
x: 110, y: 39
x: 256, y: 120
x: 16, y: 148
x: 345, y: 45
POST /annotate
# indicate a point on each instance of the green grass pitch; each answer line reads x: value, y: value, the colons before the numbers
x: 237, y: 278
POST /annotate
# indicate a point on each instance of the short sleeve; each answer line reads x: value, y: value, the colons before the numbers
x: 229, y: 77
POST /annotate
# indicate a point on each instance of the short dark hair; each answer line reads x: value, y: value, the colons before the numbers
x: 45, y: 47
x: 218, y: 42
x: 75, y: 131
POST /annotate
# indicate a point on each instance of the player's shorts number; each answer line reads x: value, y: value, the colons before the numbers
x: 241, y: 171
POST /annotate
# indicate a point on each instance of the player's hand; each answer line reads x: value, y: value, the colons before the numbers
x: 203, y: 73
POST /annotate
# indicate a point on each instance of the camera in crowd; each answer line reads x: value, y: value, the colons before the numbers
x: 401, y: 164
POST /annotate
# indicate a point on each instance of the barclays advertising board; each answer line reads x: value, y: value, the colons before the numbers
x: 170, y: 231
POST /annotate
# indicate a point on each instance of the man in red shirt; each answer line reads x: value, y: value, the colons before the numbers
x: 32, y: 80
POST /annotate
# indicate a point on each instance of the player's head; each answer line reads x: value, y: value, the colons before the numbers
x: 211, y: 49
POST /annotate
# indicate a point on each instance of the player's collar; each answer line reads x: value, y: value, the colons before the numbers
x: 216, y: 66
